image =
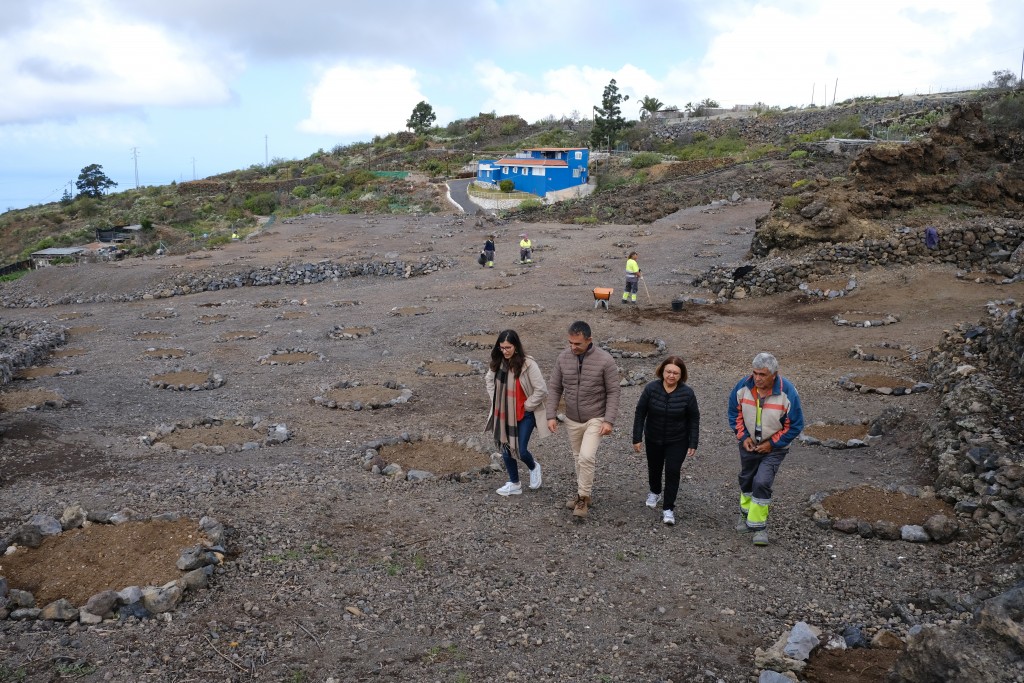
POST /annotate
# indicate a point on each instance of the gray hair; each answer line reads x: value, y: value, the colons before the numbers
x: 765, y: 361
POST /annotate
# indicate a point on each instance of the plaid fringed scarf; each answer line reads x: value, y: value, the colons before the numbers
x: 503, y: 420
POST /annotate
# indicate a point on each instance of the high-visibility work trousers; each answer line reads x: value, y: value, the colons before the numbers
x: 757, y: 474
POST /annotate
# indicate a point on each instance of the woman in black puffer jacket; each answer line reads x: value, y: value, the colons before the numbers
x: 668, y: 418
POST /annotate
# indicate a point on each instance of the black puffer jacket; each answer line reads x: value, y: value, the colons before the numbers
x: 662, y: 417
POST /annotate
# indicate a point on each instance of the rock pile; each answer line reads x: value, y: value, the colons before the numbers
x: 197, y: 562
x: 24, y: 343
x: 938, y: 528
x: 16, y: 296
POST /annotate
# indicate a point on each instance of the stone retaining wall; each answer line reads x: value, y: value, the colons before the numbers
x: 982, y: 244
x: 23, y: 344
x: 977, y: 440
x: 282, y: 274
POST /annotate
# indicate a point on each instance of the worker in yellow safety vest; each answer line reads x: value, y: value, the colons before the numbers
x: 632, y: 278
x: 525, y: 249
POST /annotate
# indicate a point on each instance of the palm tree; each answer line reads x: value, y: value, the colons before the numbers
x: 650, y: 106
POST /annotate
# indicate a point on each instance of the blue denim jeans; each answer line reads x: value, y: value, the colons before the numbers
x: 525, y: 429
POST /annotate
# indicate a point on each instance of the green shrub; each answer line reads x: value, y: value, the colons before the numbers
x: 798, y: 154
x: 800, y: 183
x: 791, y: 202
x: 314, y: 169
x: 531, y: 204
x: 300, y: 192
x: 218, y: 240
x: 506, y: 186
x: 584, y: 220
x: 147, y: 224
x: 11, y: 277
x: 645, y: 160
x: 261, y: 203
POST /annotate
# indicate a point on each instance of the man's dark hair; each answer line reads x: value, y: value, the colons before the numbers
x: 580, y: 327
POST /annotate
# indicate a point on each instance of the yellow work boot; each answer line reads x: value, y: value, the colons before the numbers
x: 582, y: 507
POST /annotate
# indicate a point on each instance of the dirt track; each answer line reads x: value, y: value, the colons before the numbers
x: 448, y: 580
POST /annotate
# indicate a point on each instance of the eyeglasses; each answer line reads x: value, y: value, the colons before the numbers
x: 506, y: 348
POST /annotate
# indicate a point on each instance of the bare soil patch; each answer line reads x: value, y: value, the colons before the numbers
x: 151, y: 336
x: 878, y: 381
x: 411, y: 310
x: 634, y: 347
x: 11, y: 401
x: 294, y: 315
x: 448, y: 368
x: 477, y: 341
x: 517, y: 309
x: 373, y: 394
x: 82, y: 330
x: 70, y: 316
x: 857, y: 665
x: 239, y: 335
x: 211, y: 319
x: 835, y: 431
x: 292, y: 358
x: 871, y: 504
x: 434, y: 456
x: 165, y: 314
x: 113, y: 556
x: 36, y: 373
x: 353, y: 332
x: 213, y: 435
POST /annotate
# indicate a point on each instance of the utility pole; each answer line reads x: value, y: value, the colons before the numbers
x: 135, y: 158
x: 193, y: 168
x: 266, y: 152
x: 834, y: 88
x: 812, y: 94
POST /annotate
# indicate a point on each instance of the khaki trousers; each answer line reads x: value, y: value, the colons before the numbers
x: 584, y: 438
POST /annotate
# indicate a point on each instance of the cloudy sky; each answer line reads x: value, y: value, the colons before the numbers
x: 192, y: 88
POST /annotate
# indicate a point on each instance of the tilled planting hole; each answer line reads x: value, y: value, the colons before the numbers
x: 210, y: 304
x: 839, y: 432
x: 211, y: 435
x: 351, y: 332
x: 494, y: 284
x: 869, y: 503
x: 148, y: 335
x: 211, y: 319
x: 186, y: 380
x: 411, y: 310
x: 477, y: 340
x: 343, y: 303
x: 290, y: 357
x: 456, y: 367
x: 32, y: 399
x: 70, y: 316
x: 46, y: 371
x: 634, y: 348
x: 162, y: 314
x: 351, y: 395
x: 79, y: 563
x: 854, y: 665
x: 437, y: 457
x: 164, y: 353
x: 68, y: 353
x: 83, y: 330
x: 519, y: 309
x: 240, y: 335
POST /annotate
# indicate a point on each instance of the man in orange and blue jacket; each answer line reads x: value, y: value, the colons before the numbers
x: 765, y: 415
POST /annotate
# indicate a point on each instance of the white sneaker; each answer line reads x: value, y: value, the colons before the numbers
x: 653, y: 499
x: 535, y: 476
x: 668, y: 517
x: 510, y: 489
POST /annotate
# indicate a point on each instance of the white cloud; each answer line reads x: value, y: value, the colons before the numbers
x: 559, y: 92
x: 362, y: 99
x: 83, y: 60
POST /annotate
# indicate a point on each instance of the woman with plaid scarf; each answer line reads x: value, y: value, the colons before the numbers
x: 517, y: 390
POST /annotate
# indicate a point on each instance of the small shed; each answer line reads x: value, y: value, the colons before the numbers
x: 122, y: 233
x: 46, y: 257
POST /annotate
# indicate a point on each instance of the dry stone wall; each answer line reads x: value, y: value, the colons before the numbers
x: 23, y: 344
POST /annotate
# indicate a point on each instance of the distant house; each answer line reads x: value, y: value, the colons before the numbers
x: 538, y: 170
x: 46, y: 257
x: 122, y: 233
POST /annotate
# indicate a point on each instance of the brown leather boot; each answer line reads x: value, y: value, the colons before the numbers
x: 570, y: 504
x: 582, y: 507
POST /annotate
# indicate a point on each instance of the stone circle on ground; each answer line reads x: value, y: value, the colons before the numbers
x: 187, y: 380
x: 477, y: 339
x: 37, y: 552
x: 838, y: 435
x: 151, y: 335
x: 828, y: 289
x: 163, y: 354
x: 405, y: 311
x: 882, y: 384
x: 452, y: 367
x: 68, y: 353
x: 216, y: 435
x: 417, y: 458
x: 633, y: 348
x: 520, y: 309
x: 162, y: 314
x: 355, y: 395
x: 908, y: 513
x: 211, y: 319
x: 847, y: 320
x: 30, y: 399
x: 240, y: 335
x: 36, y: 372
x: 351, y: 331
x: 293, y: 356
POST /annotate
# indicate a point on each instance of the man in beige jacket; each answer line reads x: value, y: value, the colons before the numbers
x: 588, y: 379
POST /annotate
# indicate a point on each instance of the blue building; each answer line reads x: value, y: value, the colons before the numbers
x: 538, y: 170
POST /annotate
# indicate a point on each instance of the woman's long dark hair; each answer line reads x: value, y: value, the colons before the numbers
x: 515, y: 363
